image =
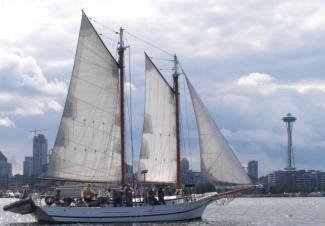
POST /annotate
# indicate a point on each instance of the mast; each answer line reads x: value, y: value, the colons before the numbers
x: 121, y: 49
x: 178, y: 149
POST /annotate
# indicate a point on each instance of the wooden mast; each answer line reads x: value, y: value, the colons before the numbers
x: 121, y: 49
x: 178, y: 145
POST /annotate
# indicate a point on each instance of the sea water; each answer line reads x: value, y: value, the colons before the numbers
x: 238, y: 212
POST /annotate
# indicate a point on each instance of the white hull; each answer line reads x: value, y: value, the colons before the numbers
x: 169, y: 212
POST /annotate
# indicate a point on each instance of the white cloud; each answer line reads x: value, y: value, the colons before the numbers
x: 6, y: 122
x: 59, y: 63
x: 25, y: 89
x: 22, y: 72
x: 54, y: 105
x: 254, y: 79
x: 128, y: 86
x: 266, y: 84
x: 305, y: 87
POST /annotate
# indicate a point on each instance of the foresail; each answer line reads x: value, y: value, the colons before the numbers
x: 158, y: 147
x: 87, y: 146
x: 218, y: 161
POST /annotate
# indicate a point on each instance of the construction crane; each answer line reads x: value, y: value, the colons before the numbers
x: 35, y: 131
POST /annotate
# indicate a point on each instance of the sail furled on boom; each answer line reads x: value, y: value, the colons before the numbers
x: 87, y: 146
x: 158, y: 147
x: 218, y: 161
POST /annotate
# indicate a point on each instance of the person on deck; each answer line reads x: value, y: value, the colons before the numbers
x: 137, y: 193
x: 145, y: 195
x: 161, y: 196
x: 57, y: 197
x: 151, y: 197
x: 88, y: 193
x: 117, y: 197
x: 128, y: 196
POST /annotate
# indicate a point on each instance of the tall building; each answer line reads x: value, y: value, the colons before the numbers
x: 185, y: 171
x: 188, y: 175
x: 28, y: 166
x: 39, y: 154
x: 15, y: 182
x: 5, y: 171
x: 185, y: 165
x: 253, y: 170
x: 321, y: 181
x: 5, y: 167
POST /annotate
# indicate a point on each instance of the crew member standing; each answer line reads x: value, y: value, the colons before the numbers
x: 161, y: 196
x: 88, y: 193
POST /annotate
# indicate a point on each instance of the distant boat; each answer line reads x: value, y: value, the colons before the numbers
x: 17, y: 194
x: 90, y: 144
x: 316, y: 194
x: 9, y: 194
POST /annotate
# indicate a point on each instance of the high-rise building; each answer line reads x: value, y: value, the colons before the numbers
x: 253, y: 170
x: 15, y: 182
x: 12, y: 183
x: 5, y: 167
x: 185, y: 165
x: 5, y: 171
x: 28, y: 166
x: 39, y: 154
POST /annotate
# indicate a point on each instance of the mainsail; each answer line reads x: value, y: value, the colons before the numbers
x: 158, y: 147
x: 218, y: 161
x: 87, y: 146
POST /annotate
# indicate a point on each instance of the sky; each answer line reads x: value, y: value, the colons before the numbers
x: 251, y: 62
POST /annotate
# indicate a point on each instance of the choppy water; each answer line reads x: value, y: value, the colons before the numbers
x: 239, y: 212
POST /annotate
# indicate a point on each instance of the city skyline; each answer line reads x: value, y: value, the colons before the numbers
x: 248, y: 75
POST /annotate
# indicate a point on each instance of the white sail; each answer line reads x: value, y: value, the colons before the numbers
x: 218, y: 161
x: 87, y: 146
x: 158, y: 147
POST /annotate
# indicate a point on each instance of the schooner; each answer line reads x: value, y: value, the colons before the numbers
x: 90, y: 143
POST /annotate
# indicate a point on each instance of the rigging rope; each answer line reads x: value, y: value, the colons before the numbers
x: 113, y: 32
x: 187, y: 123
x: 103, y: 25
x: 148, y: 43
x: 131, y: 117
x: 107, y: 38
x: 129, y: 103
x: 180, y: 66
x: 159, y: 58
x: 132, y: 35
x: 186, y: 115
x: 183, y: 143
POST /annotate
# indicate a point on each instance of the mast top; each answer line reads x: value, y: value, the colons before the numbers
x: 121, y: 42
x: 176, y: 74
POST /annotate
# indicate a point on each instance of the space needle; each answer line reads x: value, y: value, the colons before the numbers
x: 289, y: 120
